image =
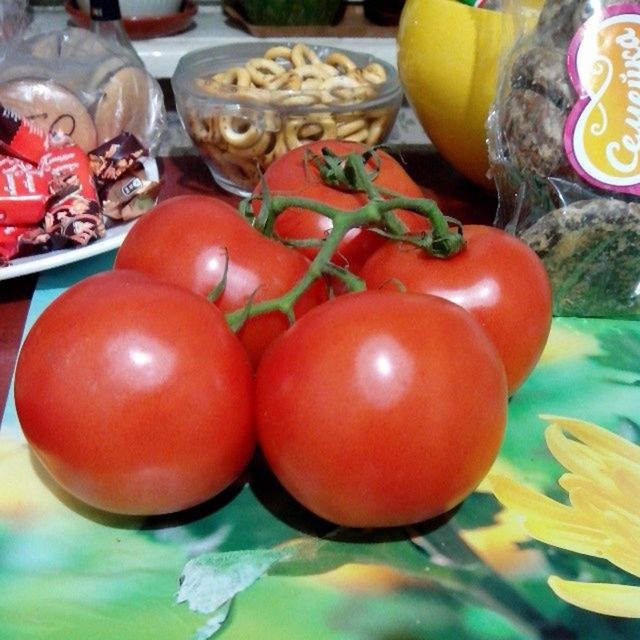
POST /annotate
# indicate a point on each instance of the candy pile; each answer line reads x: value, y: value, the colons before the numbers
x: 53, y: 195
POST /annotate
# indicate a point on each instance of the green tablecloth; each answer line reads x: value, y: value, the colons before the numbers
x: 68, y: 573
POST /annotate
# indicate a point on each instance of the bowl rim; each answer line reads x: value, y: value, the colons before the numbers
x: 209, y: 60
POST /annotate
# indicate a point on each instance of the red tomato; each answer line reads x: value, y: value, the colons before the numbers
x: 188, y: 240
x: 135, y: 395
x: 292, y: 175
x: 496, y: 277
x: 380, y: 408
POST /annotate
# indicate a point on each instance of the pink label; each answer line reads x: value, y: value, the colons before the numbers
x: 602, y: 133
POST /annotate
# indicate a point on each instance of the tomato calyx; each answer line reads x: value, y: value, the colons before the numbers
x: 349, y: 172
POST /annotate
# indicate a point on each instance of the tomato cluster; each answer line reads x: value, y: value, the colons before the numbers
x: 379, y: 407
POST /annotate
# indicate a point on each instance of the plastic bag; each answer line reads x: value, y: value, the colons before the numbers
x: 564, y: 145
x: 85, y: 86
x: 14, y: 18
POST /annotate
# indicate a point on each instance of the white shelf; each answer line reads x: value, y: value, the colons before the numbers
x: 210, y: 28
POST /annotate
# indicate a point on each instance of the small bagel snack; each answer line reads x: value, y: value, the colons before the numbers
x: 564, y: 148
x: 290, y: 95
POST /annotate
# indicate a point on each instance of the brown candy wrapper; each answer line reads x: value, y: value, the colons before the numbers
x: 123, y: 173
x: 130, y: 196
x: 112, y: 160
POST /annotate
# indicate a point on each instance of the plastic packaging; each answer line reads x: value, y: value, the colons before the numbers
x: 564, y: 143
x: 14, y: 18
x: 80, y: 84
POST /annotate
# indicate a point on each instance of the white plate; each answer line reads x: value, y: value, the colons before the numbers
x: 43, y: 261
x: 112, y: 239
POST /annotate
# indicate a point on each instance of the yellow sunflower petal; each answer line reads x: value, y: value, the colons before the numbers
x: 589, y: 541
x: 626, y: 476
x: 573, y: 455
x: 620, y: 529
x: 591, y: 500
x: 597, y: 437
x: 529, y: 502
x: 609, y: 599
x: 624, y: 558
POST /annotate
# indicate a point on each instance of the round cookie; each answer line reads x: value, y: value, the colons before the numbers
x: 555, y: 24
x: 128, y: 103
x: 589, y: 248
x: 533, y: 128
x: 544, y: 70
x: 82, y: 43
x: 101, y: 74
x: 71, y: 57
x: 73, y: 42
x: 52, y: 108
x: 45, y: 46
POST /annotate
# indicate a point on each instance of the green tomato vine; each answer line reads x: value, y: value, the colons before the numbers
x: 349, y: 172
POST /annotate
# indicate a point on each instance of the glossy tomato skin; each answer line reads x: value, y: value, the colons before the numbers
x: 187, y: 240
x: 135, y: 395
x: 291, y: 174
x: 496, y: 277
x: 381, y: 409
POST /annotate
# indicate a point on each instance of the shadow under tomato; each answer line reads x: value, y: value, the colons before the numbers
x: 274, y: 497
x: 142, y: 522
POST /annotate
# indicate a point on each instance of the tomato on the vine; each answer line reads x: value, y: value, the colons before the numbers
x: 381, y: 408
x: 293, y: 174
x: 496, y: 277
x: 195, y: 241
x: 135, y: 395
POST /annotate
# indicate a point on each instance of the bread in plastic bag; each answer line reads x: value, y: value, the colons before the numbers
x: 83, y: 85
x: 564, y: 146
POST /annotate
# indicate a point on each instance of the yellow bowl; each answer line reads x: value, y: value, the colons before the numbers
x: 448, y: 59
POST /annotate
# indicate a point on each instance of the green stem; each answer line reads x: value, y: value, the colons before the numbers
x: 361, y: 178
x: 318, y: 267
x: 377, y: 214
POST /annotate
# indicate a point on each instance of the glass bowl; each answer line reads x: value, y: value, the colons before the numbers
x: 244, y: 105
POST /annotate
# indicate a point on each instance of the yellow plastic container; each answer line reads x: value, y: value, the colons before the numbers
x: 448, y: 60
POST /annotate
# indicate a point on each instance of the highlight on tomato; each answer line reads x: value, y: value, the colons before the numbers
x: 135, y: 395
x: 295, y: 174
x: 200, y: 242
x: 496, y: 277
x: 381, y: 409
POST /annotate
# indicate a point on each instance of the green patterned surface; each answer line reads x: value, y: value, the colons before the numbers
x: 67, y: 573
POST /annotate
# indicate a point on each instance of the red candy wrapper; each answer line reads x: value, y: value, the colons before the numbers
x: 20, y: 138
x: 23, y: 192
